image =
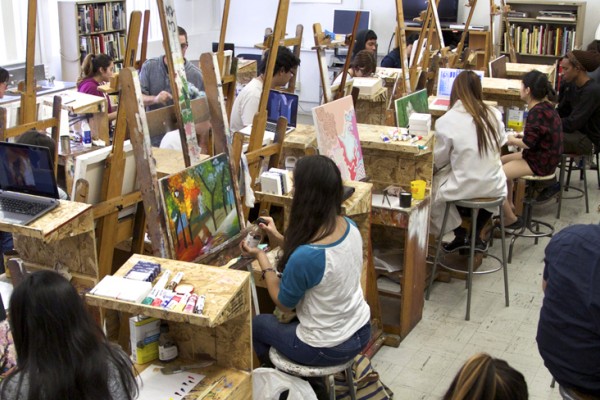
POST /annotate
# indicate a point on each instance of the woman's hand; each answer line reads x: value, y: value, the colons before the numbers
x: 268, y: 226
x: 249, y: 252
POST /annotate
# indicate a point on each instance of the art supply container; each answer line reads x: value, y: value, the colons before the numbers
x: 405, y: 199
x: 418, y: 189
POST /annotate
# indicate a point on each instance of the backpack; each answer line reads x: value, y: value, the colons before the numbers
x: 366, y: 382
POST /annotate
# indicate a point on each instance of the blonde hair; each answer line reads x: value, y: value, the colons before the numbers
x: 91, y: 65
x: 483, y: 377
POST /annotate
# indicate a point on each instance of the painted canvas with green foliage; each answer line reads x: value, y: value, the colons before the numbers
x: 200, y: 208
x: 405, y: 106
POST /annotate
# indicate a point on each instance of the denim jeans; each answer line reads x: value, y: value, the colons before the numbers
x: 267, y: 331
x: 6, y: 244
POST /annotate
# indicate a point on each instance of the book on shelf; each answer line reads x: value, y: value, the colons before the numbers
x: 542, y: 39
x: 101, y: 17
x: 557, y: 16
x: 517, y: 14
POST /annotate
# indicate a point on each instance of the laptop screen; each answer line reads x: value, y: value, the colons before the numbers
x: 282, y: 104
x: 446, y: 78
x: 27, y: 169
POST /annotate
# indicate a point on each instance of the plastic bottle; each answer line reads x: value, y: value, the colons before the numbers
x: 87, y: 134
x: 167, y: 347
x: 255, y: 235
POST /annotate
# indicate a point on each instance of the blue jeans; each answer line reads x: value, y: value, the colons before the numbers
x: 267, y: 331
x: 6, y: 244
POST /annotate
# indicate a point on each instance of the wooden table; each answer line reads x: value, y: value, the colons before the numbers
x: 517, y: 70
x: 506, y: 92
x: 64, y: 237
x: 223, y: 330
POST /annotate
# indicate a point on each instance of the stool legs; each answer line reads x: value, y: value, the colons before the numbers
x: 564, y: 186
x: 474, y: 213
x: 504, y: 263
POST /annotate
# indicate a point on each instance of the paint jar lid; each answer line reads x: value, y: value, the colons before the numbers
x: 184, y: 288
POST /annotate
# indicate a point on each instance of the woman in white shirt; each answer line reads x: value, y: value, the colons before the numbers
x: 322, y: 261
x: 467, y: 158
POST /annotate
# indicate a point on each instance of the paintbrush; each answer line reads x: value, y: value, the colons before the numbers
x: 175, y: 369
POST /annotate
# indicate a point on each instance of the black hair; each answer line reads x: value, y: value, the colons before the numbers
x: 539, y: 85
x: 317, y: 202
x: 91, y: 65
x: 4, y: 75
x: 286, y: 61
x: 35, y: 138
x: 364, y: 61
x: 60, y: 347
x: 362, y: 37
x: 182, y: 32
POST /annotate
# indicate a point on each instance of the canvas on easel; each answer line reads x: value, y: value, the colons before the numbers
x: 413, y: 103
x: 337, y: 137
x: 200, y: 209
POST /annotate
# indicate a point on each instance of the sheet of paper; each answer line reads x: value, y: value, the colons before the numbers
x: 156, y: 386
x: 6, y: 290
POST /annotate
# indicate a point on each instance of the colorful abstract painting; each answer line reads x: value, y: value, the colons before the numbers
x: 413, y: 103
x: 200, y: 208
x: 337, y: 137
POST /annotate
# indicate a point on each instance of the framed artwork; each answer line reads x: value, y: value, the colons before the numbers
x: 337, y: 137
x: 200, y: 209
x: 405, y: 106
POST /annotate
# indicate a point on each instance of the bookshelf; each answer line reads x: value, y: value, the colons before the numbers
x: 542, y: 39
x: 91, y: 27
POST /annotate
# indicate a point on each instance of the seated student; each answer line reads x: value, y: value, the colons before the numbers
x: 568, y: 334
x: 95, y: 70
x: 61, y: 352
x: 467, y: 158
x: 247, y: 101
x: 365, y: 40
x: 154, y: 78
x: 392, y: 59
x: 362, y: 65
x: 485, y: 377
x: 541, y: 142
x: 6, y: 242
x: 595, y: 47
x: 321, y: 262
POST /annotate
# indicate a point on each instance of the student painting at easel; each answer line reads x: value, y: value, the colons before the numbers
x: 246, y: 104
x: 95, y: 71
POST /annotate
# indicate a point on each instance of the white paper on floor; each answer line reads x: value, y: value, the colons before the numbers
x: 156, y: 386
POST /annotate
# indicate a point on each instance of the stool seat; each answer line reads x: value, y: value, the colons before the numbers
x: 483, y: 202
x: 284, y: 364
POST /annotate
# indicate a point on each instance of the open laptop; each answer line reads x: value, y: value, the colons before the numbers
x: 280, y: 104
x: 445, y: 80
x: 27, y: 184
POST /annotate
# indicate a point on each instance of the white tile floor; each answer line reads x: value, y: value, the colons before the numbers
x: 429, y: 357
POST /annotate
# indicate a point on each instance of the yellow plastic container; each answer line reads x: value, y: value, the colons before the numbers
x: 418, y: 189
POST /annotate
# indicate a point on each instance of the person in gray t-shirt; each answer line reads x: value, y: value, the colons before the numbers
x: 154, y: 78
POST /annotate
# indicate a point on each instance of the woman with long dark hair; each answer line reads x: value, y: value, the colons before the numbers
x: 467, y: 158
x: 321, y: 265
x: 95, y: 70
x: 61, y: 351
x: 541, y: 141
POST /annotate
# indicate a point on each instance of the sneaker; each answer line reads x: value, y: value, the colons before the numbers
x: 480, y: 245
x: 548, y: 193
x: 458, y: 242
x: 518, y: 224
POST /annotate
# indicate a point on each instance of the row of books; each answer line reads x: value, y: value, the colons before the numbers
x: 111, y: 44
x: 541, y: 39
x: 101, y: 17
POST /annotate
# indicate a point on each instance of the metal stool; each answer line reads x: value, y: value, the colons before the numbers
x: 284, y: 364
x: 565, y: 186
x: 475, y: 205
x: 531, y: 227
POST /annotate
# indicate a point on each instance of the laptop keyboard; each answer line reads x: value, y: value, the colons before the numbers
x: 271, y: 127
x: 21, y: 206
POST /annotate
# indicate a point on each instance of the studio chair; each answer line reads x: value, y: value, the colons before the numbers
x: 475, y: 205
x: 532, y: 228
x: 566, y: 166
x: 284, y: 364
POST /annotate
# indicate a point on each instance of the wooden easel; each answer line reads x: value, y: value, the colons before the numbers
x: 109, y: 230
x: 459, y: 49
x: 510, y: 39
x: 342, y: 86
x: 228, y: 76
x: 144, y: 48
x: 28, y: 109
x: 256, y: 152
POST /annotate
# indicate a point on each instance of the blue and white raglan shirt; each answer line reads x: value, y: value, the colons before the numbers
x: 323, y: 283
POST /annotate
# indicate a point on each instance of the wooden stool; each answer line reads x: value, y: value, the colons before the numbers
x: 475, y: 205
x: 565, y: 186
x: 531, y: 227
x: 284, y: 364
